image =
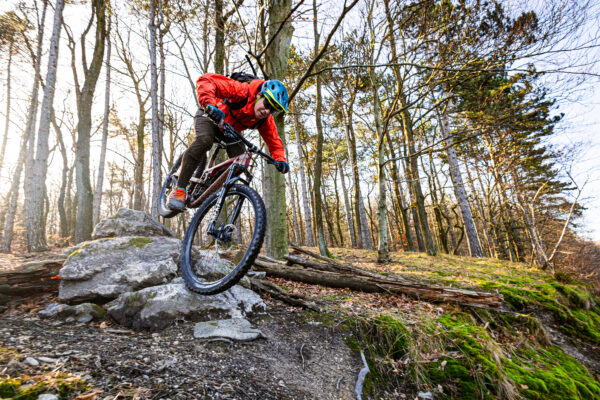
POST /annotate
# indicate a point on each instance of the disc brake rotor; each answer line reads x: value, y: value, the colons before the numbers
x: 223, y: 246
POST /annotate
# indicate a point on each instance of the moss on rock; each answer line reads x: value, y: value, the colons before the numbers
x: 139, y: 242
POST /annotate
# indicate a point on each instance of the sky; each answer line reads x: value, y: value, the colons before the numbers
x: 581, y: 123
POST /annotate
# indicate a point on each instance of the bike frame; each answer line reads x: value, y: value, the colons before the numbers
x: 236, y: 166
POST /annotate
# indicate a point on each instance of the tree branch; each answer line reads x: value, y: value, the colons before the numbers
x: 322, y: 52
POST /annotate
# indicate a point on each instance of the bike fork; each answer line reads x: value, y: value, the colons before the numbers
x: 220, y: 201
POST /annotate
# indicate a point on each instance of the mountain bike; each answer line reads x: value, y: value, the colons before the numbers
x: 227, y: 231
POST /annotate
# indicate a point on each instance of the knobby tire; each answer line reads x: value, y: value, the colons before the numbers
x: 195, y: 283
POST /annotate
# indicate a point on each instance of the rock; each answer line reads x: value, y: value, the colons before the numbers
x: 238, y: 329
x: 105, y: 268
x: 156, y: 307
x: 425, y: 396
x: 31, y: 362
x: 85, y: 312
x: 128, y: 222
x: 47, y: 396
x: 208, y: 266
x: 47, y: 360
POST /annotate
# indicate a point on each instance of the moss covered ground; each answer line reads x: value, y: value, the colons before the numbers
x: 29, y: 387
x: 467, y: 353
x: 526, y: 289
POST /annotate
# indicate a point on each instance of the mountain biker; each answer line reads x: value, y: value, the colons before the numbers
x: 244, y: 105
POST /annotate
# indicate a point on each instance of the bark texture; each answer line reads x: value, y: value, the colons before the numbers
x: 35, y: 221
x: 84, y: 220
x: 277, y: 58
x: 459, y: 190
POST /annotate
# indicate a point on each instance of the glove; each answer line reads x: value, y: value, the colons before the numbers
x: 215, y: 114
x: 282, y: 167
x: 229, y: 134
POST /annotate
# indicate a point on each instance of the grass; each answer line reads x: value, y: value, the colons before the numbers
x: 468, y: 353
x: 526, y: 289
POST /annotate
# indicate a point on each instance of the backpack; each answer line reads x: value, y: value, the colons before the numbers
x: 244, y: 78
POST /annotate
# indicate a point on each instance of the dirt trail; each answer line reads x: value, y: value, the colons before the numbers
x: 172, y: 364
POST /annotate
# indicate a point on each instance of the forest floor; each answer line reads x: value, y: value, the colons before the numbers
x: 543, y: 344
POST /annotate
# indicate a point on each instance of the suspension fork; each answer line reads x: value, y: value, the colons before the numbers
x: 221, y: 200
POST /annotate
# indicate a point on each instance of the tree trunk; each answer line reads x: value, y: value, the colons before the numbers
x: 277, y: 58
x: 32, y: 117
x: 383, y: 249
x: 62, y: 214
x: 34, y: 216
x: 459, y: 189
x: 399, y: 197
x: 138, y: 186
x: 84, y: 221
x: 100, y: 180
x: 437, y: 210
x: 156, y: 151
x: 12, y: 201
x: 303, y: 184
x: 317, y: 177
x: 347, y: 207
x: 479, y: 208
x: 219, y: 38
x: 415, y: 183
x: 295, y: 225
x: 161, y: 104
x: 7, y: 115
x: 362, y: 225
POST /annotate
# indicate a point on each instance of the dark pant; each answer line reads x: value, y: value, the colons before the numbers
x: 206, y: 134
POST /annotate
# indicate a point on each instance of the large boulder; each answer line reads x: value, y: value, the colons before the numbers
x: 156, y: 307
x: 127, y: 222
x: 103, y: 269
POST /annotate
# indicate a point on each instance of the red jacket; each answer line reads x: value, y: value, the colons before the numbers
x: 214, y: 89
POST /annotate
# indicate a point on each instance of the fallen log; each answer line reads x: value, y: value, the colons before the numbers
x: 31, y: 278
x: 328, y: 264
x: 380, y: 283
x: 277, y: 293
x: 333, y: 266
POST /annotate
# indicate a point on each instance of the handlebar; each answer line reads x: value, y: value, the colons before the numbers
x: 227, y: 128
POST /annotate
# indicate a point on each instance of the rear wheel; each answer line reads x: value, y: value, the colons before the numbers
x: 213, y: 259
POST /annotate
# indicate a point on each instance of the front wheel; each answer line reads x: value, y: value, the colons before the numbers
x: 214, y: 257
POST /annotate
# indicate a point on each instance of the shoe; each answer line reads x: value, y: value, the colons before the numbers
x: 177, y: 199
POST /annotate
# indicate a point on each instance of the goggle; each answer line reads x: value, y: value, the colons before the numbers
x: 275, y: 106
x: 273, y: 109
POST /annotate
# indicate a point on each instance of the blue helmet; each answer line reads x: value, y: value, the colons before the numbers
x: 276, y: 94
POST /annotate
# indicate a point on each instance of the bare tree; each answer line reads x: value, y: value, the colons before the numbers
x: 101, y: 162
x: 35, y: 223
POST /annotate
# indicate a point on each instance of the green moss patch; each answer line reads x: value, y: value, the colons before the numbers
x: 26, y: 387
x: 7, y: 354
x: 384, y: 340
x: 575, y: 311
x: 138, y: 242
x: 478, y: 355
